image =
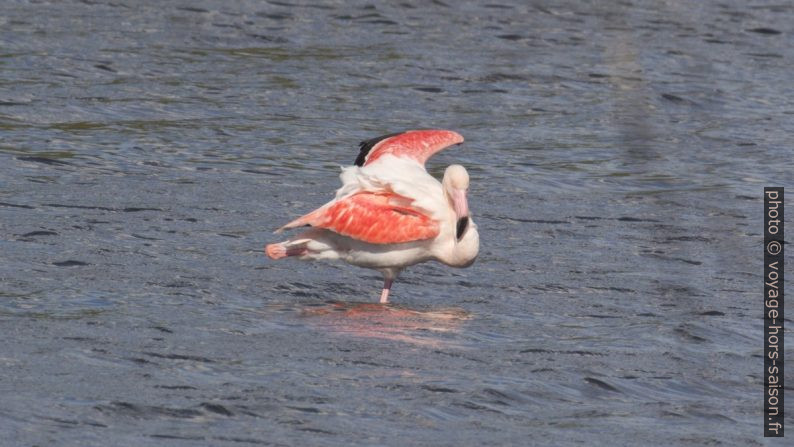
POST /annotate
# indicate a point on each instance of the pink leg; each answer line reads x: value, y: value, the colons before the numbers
x: 278, y: 251
x: 384, y: 296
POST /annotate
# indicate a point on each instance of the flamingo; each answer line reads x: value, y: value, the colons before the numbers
x: 390, y: 213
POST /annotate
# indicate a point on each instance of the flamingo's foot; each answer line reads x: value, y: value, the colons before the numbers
x: 275, y: 251
x: 278, y: 251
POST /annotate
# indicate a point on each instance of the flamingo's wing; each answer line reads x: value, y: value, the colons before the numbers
x: 418, y: 145
x: 376, y: 218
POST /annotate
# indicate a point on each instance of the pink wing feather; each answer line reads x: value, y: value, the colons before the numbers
x: 376, y: 218
x: 383, y: 217
x: 418, y: 145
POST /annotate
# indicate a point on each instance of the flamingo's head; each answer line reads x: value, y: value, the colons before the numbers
x: 456, y: 184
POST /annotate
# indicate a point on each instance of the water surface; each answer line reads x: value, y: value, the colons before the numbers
x: 617, y: 151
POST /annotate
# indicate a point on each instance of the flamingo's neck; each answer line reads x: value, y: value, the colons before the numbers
x: 463, y: 252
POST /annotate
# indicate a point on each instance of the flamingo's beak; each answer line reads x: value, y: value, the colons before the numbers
x: 461, y: 207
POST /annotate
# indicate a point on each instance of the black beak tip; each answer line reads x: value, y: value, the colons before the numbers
x: 463, y: 223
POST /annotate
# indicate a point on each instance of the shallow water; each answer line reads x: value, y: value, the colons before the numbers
x: 617, y: 152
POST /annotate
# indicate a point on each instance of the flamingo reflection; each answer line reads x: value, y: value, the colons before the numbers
x: 420, y: 327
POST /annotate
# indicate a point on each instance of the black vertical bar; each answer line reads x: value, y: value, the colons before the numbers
x: 773, y: 311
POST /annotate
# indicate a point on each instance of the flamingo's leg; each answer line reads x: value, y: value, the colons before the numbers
x: 282, y: 250
x: 384, y: 296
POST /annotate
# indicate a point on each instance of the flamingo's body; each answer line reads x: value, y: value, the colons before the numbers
x: 390, y: 213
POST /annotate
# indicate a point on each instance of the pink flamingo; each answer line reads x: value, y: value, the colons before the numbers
x: 390, y: 213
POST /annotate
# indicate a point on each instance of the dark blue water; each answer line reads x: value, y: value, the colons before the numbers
x: 617, y: 150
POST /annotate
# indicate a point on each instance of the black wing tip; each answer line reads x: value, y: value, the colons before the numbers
x: 367, y: 145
